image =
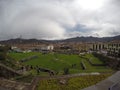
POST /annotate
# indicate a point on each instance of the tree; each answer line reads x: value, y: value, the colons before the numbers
x: 3, y: 52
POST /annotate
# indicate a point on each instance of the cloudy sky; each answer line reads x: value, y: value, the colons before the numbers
x: 59, y: 19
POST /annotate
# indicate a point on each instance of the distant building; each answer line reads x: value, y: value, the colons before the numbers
x: 16, y: 49
x: 47, y: 47
x: 43, y: 48
x: 2, y: 45
x: 50, y: 47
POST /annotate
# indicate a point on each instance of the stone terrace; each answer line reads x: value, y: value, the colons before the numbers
x: 111, y: 83
x: 12, y: 85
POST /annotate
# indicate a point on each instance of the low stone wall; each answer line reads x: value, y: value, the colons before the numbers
x: 28, y: 58
x: 7, y: 72
x: 93, y: 64
x: 83, y: 65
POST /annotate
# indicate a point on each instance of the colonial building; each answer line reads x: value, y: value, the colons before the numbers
x: 110, y: 48
x: 99, y: 46
x: 114, y: 48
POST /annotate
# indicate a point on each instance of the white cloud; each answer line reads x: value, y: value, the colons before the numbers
x: 53, y: 19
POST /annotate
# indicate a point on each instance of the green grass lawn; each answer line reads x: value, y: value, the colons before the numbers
x: 54, y: 62
x: 58, y: 62
x: 19, y: 56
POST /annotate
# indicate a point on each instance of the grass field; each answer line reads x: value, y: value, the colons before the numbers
x: 19, y: 56
x: 58, y: 62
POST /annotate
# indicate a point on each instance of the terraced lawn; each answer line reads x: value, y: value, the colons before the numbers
x: 94, y: 59
x: 76, y: 83
x: 91, y: 68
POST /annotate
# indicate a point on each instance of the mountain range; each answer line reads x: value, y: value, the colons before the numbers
x: 92, y: 39
x: 75, y: 39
